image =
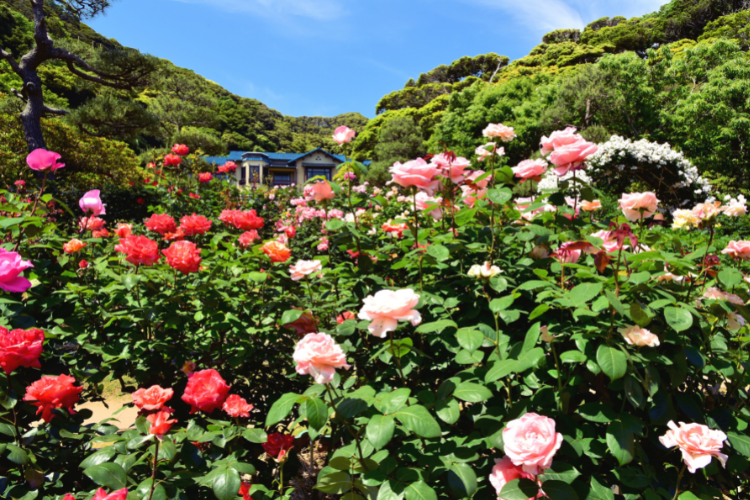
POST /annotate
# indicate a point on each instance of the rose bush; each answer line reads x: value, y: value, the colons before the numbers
x: 510, y: 348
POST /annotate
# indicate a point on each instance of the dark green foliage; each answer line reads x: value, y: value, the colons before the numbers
x: 481, y: 66
x: 734, y: 26
x: 398, y: 140
x: 16, y: 32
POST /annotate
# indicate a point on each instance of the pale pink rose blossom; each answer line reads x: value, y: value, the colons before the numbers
x: 506, y: 134
x: 636, y: 206
x: 322, y: 191
x: 713, y: 293
x: 425, y: 201
x: 470, y: 196
x: 387, y: 307
x: 476, y: 174
x: 559, y: 139
x: 707, y: 211
x: 304, y: 268
x: 590, y: 206
x: 738, y: 250
x: 566, y: 255
x: 640, y: 337
x: 530, y: 169
x: 92, y: 203
x: 343, y: 134
x: 531, y: 442
x: 735, y: 209
x: 571, y: 157
x: 698, y: 444
x: 486, y: 150
x: 417, y: 173
x: 323, y: 245
x: 505, y: 471
x: 452, y: 169
x: 318, y: 355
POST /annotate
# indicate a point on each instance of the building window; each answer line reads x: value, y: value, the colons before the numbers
x: 243, y: 175
x: 318, y: 172
x: 283, y: 178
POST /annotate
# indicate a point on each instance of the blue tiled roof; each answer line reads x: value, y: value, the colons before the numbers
x: 288, y: 157
x: 218, y: 160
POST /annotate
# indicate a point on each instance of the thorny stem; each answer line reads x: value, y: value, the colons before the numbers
x: 153, y: 471
x: 33, y: 210
x: 703, y: 263
x: 497, y: 325
x: 679, y: 479
x: 416, y: 237
x: 15, y: 420
x: 355, y: 435
x: 398, y: 359
x: 560, y: 404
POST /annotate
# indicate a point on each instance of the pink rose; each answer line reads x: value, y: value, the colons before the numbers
x: 707, y: 211
x: 697, y: 442
x: 425, y: 201
x: 318, y: 355
x: 416, y: 173
x: 634, y: 203
x: 505, y: 471
x: 590, y: 206
x: 486, y: 150
x: 476, y: 174
x: 713, y: 293
x: 454, y: 169
x: 101, y: 494
x: 304, y: 268
x: 322, y: 191
x: 343, y: 134
x: 567, y: 255
x: 529, y: 169
x: 11, y: 266
x: 640, y: 337
x: 41, y: 160
x: 608, y: 242
x: 559, y: 139
x: 92, y: 203
x: 571, y: 156
x: 506, y: 134
x: 387, y: 307
x: 738, y: 250
x: 531, y: 442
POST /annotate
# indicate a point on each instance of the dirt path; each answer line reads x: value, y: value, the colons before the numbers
x: 126, y: 418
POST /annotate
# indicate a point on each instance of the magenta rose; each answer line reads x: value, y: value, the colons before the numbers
x: 42, y: 160
x: 11, y: 266
x: 92, y: 203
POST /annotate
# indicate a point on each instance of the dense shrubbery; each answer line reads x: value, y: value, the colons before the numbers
x: 439, y: 339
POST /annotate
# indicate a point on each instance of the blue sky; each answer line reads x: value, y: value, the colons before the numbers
x: 325, y: 57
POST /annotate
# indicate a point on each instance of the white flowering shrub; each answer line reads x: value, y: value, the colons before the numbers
x: 621, y: 162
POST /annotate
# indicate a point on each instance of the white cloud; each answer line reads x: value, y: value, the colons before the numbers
x: 320, y: 10
x: 542, y: 15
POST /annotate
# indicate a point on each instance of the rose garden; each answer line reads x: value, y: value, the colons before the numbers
x: 466, y: 331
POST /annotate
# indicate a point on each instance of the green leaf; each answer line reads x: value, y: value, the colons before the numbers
x: 439, y: 252
x: 110, y: 475
x: 538, y: 311
x: 633, y: 477
x: 101, y: 456
x: 559, y: 490
x: 740, y: 442
x: 596, y: 412
x: 420, y: 491
x: 621, y: 442
x: 380, y: 430
x: 501, y: 304
x: 469, y: 339
x: 290, y: 316
x: 687, y: 495
x: 281, y: 408
x: 519, y: 489
x: 573, y: 357
x: 317, y: 413
x: 600, y: 491
x: 334, y: 224
x: 615, y: 302
x: 730, y: 277
x: 500, y: 196
x: 255, y: 435
x: 532, y: 337
x: 585, y: 292
x: 471, y: 392
x: 226, y: 483
x: 391, y: 402
x: 679, y: 319
x: 500, y: 369
x: 639, y: 315
x: 337, y: 483
x: 465, y: 216
x: 15, y: 454
x: 448, y: 410
x: 463, y: 478
x: 613, y: 362
x: 418, y: 420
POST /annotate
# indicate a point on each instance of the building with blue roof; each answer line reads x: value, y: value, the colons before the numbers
x: 280, y: 169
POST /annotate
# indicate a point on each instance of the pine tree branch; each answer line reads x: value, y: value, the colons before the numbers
x: 8, y: 57
x: 54, y: 111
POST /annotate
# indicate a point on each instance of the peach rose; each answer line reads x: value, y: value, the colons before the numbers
x: 637, y: 336
x: 318, y: 355
x: 738, y: 250
x: 531, y: 442
x: 416, y: 173
x: 504, y: 472
x: 74, y: 246
x: 506, y: 134
x: 387, y: 307
x: 572, y: 156
x: 530, y: 169
x: 322, y: 191
x: 559, y: 139
x: 590, y: 206
x: 735, y: 209
x: 697, y: 442
x: 277, y: 252
x: 636, y: 206
x: 707, y: 211
x: 304, y: 268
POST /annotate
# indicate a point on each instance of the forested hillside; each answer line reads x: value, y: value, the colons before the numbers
x: 679, y: 75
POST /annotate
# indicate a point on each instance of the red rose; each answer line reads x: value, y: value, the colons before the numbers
x: 345, y: 316
x: 278, y: 445
x: 53, y: 392
x: 205, y: 391
x: 139, y: 250
x: 248, y: 220
x: 194, y: 196
x: 180, y: 149
x: 248, y: 238
x: 101, y: 233
x: 151, y: 399
x: 194, y: 224
x: 161, y: 223
x: 124, y: 230
x: 172, y: 160
x: 160, y: 422
x: 20, y: 348
x: 83, y: 264
x: 236, y: 406
x: 183, y: 256
x: 304, y: 324
x: 205, y: 177
x: 290, y: 231
x: 244, y: 491
x: 101, y: 494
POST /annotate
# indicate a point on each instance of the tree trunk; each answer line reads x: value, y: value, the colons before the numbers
x: 31, y: 116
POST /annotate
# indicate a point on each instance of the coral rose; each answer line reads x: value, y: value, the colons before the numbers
x: 506, y: 134
x: 20, y: 348
x: 739, y: 250
x: 278, y: 445
x: 415, y: 173
x: 247, y: 220
x: 387, y: 307
x: 343, y: 135
x: 73, y: 246
x: 559, y: 139
x: 101, y: 494
x: 91, y: 223
x: 205, y: 391
x: 472, y: 180
x: 11, y: 266
x: 83, y: 264
x: 346, y: 315
x: 236, y: 406
x: 530, y: 169
x: 636, y: 206
x: 49, y: 393
x: 42, y: 160
x: 193, y: 225
x: 698, y: 444
x: 572, y: 156
x: 160, y: 423
x: 504, y: 472
x: 91, y: 203
x: 139, y: 250
x: 591, y: 206
x: 531, y: 442
x: 248, y: 238
x: 172, y: 160
x: 318, y: 355
x: 183, y: 256
x: 395, y: 228
x: 205, y: 177
x: 278, y: 252
x: 180, y: 149
x: 124, y: 230
x: 640, y: 337
x: 322, y: 191
x: 151, y: 399
x: 304, y: 268
x: 161, y: 223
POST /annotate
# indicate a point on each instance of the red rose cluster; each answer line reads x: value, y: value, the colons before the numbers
x: 20, y: 348
x: 183, y: 256
x: 193, y: 225
x: 278, y: 445
x: 139, y: 250
x: 245, y: 220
